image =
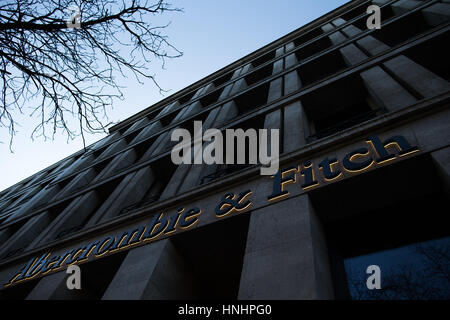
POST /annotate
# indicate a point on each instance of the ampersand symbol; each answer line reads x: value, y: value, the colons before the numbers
x: 231, y: 203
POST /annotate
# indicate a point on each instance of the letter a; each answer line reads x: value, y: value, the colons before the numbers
x: 184, y: 146
x: 374, y: 21
x: 74, y: 281
x: 374, y: 281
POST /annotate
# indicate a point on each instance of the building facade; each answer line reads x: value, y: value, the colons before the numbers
x: 364, y: 178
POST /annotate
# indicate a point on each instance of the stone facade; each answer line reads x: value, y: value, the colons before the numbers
x: 328, y: 87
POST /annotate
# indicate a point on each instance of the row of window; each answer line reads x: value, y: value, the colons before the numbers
x: 390, y: 34
x: 329, y: 109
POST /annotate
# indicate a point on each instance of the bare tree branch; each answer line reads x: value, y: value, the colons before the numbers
x: 65, y: 72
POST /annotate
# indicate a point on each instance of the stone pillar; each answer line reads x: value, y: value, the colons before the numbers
x: 292, y: 82
x: 437, y: 13
x: 278, y: 66
x: 426, y: 83
x: 153, y: 272
x: 147, y: 132
x: 273, y: 121
x: 113, y: 148
x: 169, y: 108
x: 228, y: 111
x: 63, y: 164
x: 130, y: 190
x: 238, y: 86
x: 77, y: 165
x: 295, y: 127
x: 187, y: 176
x: 27, y: 233
x: 26, y: 195
x: 275, y: 89
x: 51, y: 285
x: 402, y: 6
x: 290, y: 60
x: 97, y: 145
x: 72, y: 216
x: 336, y: 37
x: 286, y: 256
x: 119, y: 162
x: 441, y: 159
x: 187, y: 111
x: 289, y: 46
x: 136, y: 125
x: 79, y: 181
x: 385, y: 90
x: 37, y: 200
x: 236, y: 73
x: 246, y: 69
x: 421, y: 80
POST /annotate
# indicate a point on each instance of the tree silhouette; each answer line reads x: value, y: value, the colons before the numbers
x: 428, y: 279
x: 65, y: 72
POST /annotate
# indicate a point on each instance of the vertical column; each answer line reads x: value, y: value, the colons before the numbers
x: 420, y: 79
x: 138, y: 124
x: 437, y: 13
x: 238, y: 86
x: 295, y: 127
x: 27, y: 233
x: 119, y: 162
x: 246, y: 69
x: 38, y: 199
x: 113, y: 148
x: 79, y: 181
x: 72, y: 216
x: 402, y: 6
x: 153, y: 272
x: 384, y: 89
x: 286, y: 255
x: 275, y: 89
x: 77, y: 165
x: 163, y: 142
x: 97, y: 145
x: 129, y: 191
x: 236, y: 73
x: 26, y: 195
x: 336, y: 37
x: 147, y: 132
x: 128, y: 157
x: 51, y: 285
x: 273, y: 121
x: 289, y: 46
x: 290, y: 60
x: 426, y: 83
x: 292, y: 82
x: 169, y: 108
x: 186, y: 176
x: 441, y: 159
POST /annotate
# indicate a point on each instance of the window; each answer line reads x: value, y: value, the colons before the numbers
x: 431, y: 56
x: 402, y: 30
x: 338, y: 106
x: 307, y: 37
x: 388, y: 218
x: 322, y: 67
x: 263, y: 59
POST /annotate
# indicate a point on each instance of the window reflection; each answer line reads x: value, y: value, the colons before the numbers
x: 419, y: 271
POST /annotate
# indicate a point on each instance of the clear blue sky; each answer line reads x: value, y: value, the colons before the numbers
x: 211, y: 33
